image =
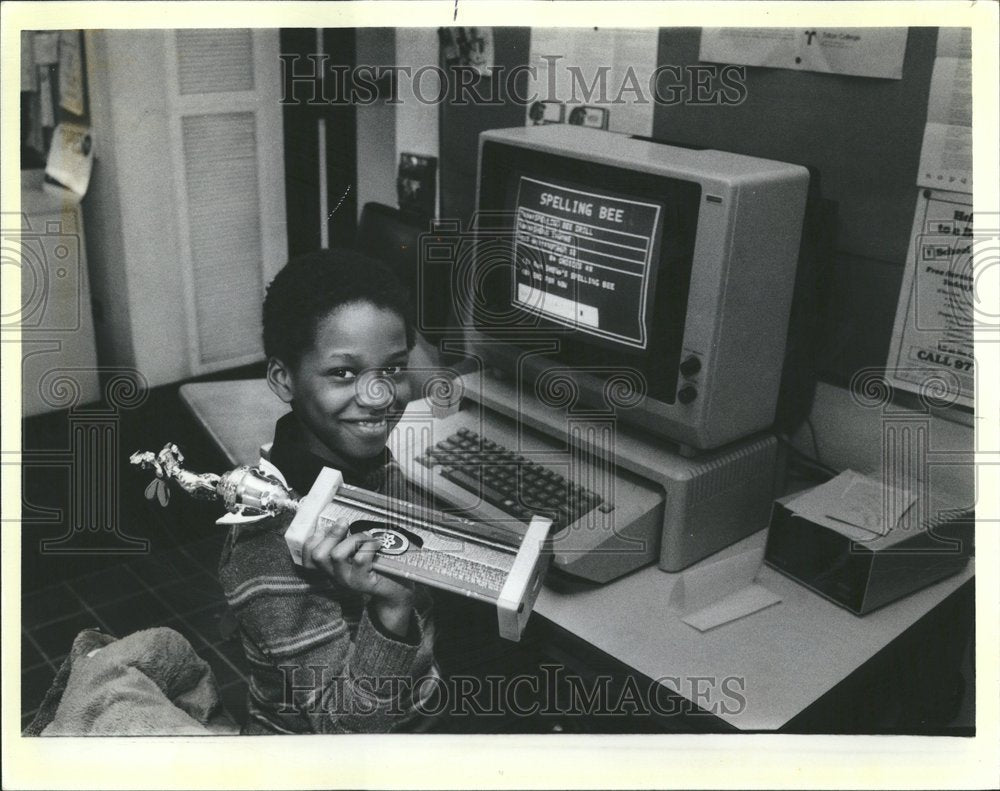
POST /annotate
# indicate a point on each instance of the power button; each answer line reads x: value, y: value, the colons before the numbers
x: 687, y: 394
x: 690, y: 366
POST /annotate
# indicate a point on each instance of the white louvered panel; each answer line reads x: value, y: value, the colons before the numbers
x: 224, y: 217
x: 214, y: 61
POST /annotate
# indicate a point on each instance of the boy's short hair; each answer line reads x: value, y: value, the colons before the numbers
x: 309, y: 287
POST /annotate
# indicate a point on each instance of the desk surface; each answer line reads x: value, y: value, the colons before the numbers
x: 239, y: 415
x: 787, y: 656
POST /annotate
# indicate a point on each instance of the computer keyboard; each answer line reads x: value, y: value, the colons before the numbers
x: 507, y: 480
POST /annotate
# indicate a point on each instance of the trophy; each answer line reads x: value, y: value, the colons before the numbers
x: 417, y: 543
x: 245, y: 491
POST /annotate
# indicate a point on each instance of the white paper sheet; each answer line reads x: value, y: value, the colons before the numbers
x: 71, y: 158
x: 71, y: 72
x: 746, y: 601
x: 859, y: 52
x: 946, y: 153
x: 857, y: 500
x: 931, y: 351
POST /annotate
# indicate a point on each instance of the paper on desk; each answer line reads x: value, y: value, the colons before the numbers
x: 720, y: 592
x: 857, y: 500
x: 748, y: 600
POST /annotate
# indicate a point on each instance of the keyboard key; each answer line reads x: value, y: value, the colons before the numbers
x: 510, y: 481
x: 475, y: 485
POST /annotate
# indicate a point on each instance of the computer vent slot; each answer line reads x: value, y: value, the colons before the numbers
x: 214, y: 61
x: 721, y: 475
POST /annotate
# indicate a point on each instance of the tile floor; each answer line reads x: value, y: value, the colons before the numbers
x: 169, y: 582
x: 176, y: 588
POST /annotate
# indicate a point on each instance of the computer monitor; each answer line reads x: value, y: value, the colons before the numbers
x: 623, y: 262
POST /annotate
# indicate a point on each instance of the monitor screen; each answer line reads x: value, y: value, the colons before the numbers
x: 585, y: 258
x: 599, y: 260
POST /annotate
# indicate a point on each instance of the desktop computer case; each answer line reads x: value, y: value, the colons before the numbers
x: 724, y: 497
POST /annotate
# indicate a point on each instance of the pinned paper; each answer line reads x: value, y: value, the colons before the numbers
x: 720, y: 592
x: 468, y: 47
x: 71, y: 158
x: 71, y: 73
x: 857, y: 51
x: 931, y: 351
x: 856, y: 500
x: 946, y: 153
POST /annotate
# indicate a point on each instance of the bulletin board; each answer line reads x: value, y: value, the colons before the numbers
x: 863, y: 135
x: 53, y: 89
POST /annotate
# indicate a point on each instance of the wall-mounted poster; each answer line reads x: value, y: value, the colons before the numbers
x: 931, y: 352
x: 468, y: 47
x: 856, y: 51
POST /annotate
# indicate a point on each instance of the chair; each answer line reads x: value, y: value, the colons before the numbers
x: 394, y: 236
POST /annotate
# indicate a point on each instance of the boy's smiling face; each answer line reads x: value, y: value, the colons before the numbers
x: 350, y: 388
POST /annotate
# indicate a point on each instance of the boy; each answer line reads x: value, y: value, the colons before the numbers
x: 333, y: 646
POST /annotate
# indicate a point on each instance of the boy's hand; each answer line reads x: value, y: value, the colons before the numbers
x: 348, y: 559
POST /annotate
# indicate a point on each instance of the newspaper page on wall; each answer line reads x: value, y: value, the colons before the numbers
x: 931, y: 352
x: 855, y: 51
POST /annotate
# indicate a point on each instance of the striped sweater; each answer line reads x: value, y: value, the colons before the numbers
x: 319, y: 660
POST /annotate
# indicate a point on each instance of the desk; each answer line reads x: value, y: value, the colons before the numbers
x: 788, y: 656
x: 239, y: 415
